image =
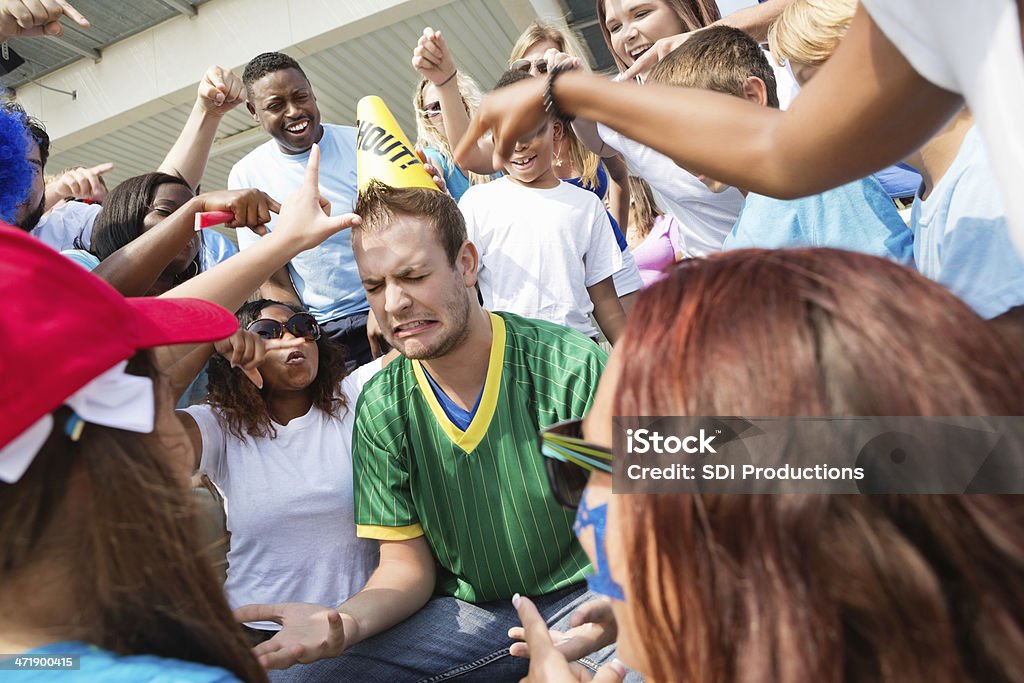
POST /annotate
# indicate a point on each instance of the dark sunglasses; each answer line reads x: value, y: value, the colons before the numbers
x: 525, y: 65
x: 569, y: 460
x: 431, y: 109
x: 300, y: 325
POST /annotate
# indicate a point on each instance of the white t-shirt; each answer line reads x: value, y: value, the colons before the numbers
x: 325, y: 278
x: 540, y: 249
x: 290, y: 506
x: 971, y: 48
x: 705, y: 217
x: 65, y: 222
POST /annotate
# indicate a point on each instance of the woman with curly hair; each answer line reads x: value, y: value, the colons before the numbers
x: 281, y: 455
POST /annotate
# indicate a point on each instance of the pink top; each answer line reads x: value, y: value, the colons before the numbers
x: 658, y: 249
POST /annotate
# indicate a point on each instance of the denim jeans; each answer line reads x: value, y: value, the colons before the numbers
x: 447, y: 640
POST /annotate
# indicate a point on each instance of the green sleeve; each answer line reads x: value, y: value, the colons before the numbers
x: 383, y: 497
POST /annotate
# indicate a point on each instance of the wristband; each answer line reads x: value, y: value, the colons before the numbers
x: 550, y: 107
x: 445, y: 81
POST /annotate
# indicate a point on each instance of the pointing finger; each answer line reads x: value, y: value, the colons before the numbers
x: 73, y: 14
x: 313, y: 169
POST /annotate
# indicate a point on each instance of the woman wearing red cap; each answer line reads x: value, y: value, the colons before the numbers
x: 98, y: 556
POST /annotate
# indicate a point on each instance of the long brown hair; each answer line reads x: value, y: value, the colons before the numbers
x: 110, y: 514
x: 244, y: 407
x: 851, y: 589
x: 693, y: 14
x: 643, y: 210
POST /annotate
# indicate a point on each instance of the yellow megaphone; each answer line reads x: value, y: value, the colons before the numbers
x: 383, y: 152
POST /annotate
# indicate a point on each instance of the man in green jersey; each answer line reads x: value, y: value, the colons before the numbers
x: 448, y: 474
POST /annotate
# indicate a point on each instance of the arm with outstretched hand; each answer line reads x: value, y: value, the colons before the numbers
x: 867, y: 108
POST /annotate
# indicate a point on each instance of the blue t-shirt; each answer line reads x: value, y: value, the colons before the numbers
x: 325, y: 278
x: 858, y: 216
x: 454, y: 178
x: 961, y: 238
x: 601, y: 190
x: 459, y: 416
x: 97, y: 665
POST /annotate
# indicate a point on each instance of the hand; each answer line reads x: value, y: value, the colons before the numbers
x: 28, y: 18
x: 655, y: 54
x: 435, y: 173
x: 251, y: 207
x: 547, y: 664
x: 304, y: 217
x: 80, y: 183
x: 247, y: 351
x: 220, y: 91
x: 308, y: 632
x: 432, y: 58
x: 555, y: 58
x: 592, y: 627
x: 512, y: 113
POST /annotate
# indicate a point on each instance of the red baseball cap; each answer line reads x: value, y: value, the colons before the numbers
x: 61, y: 327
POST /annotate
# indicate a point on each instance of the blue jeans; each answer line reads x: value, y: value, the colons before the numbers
x: 447, y: 640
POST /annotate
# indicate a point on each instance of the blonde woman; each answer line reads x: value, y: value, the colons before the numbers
x: 432, y: 138
x: 805, y: 35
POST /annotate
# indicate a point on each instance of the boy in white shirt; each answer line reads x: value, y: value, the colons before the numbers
x: 546, y: 247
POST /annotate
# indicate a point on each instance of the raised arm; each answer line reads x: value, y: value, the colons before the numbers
x: 220, y: 91
x: 433, y: 60
x: 134, y: 268
x: 867, y: 108
x: 303, y: 224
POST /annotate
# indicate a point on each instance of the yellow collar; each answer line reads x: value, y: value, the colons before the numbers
x: 468, y: 440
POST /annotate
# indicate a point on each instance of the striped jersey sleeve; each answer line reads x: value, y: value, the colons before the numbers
x: 383, y: 496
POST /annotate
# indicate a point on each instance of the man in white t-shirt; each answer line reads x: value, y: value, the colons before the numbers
x: 325, y: 280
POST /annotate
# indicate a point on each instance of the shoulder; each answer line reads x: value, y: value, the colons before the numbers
x: 386, y: 392
x: 342, y: 137
x: 86, y: 259
x: 484, y: 189
x: 544, y: 344
x: 78, y: 212
x: 256, y: 158
x: 581, y: 198
x: 352, y: 385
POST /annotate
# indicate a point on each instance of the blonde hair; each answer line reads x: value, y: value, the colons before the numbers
x: 429, y: 135
x: 643, y: 210
x: 808, y: 31
x: 565, y: 40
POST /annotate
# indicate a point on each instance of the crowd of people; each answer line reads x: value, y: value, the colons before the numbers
x: 805, y: 208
